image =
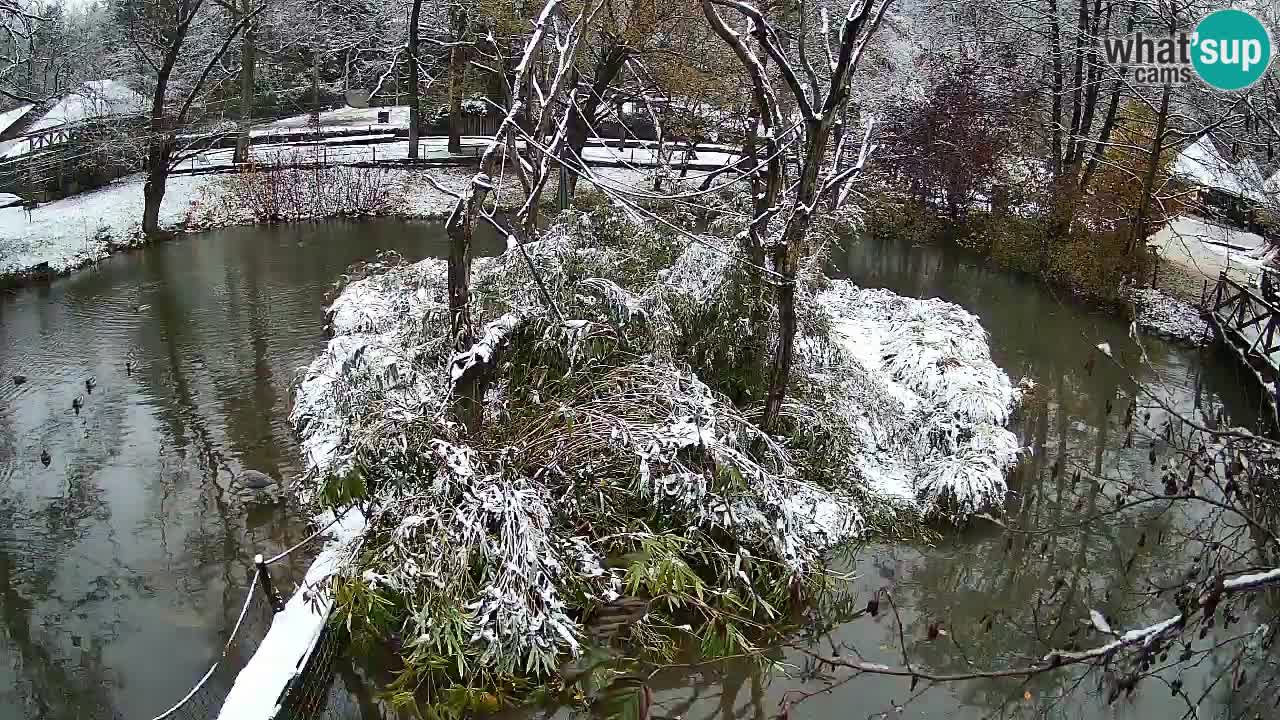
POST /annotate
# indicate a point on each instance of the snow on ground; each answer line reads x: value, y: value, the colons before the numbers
x: 284, y: 652
x: 66, y: 234
x: 345, y: 118
x: 331, y: 151
x: 337, y: 150
x: 7, y: 199
x: 1166, y: 316
x: 1207, y: 249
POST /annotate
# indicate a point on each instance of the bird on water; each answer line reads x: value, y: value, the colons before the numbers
x: 45, y: 457
x: 19, y: 379
x: 90, y: 384
x: 256, y: 487
x: 76, y: 405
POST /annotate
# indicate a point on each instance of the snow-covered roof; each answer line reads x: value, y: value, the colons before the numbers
x: 1272, y: 185
x: 93, y: 100
x: 13, y: 115
x: 1202, y: 164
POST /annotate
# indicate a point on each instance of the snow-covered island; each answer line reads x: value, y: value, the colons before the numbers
x: 610, y: 461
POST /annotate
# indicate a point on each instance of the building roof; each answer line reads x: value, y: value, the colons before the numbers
x: 1201, y: 163
x: 92, y: 100
x: 13, y: 115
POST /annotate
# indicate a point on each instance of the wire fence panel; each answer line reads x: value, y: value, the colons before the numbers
x: 311, y: 695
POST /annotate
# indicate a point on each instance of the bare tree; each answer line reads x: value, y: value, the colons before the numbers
x: 816, y: 114
x: 160, y: 34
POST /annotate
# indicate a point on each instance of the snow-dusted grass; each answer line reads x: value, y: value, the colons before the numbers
x: 66, y: 234
x: 344, y: 118
x: 941, y: 448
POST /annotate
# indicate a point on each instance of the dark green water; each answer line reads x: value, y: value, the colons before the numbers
x: 123, y: 563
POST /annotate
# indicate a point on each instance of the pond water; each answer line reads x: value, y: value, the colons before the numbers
x: 122, y: 564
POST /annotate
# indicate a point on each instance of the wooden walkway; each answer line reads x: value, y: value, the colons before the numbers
x: 1248, y: 322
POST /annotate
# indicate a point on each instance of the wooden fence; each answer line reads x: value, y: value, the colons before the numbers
x: 1248, y: 322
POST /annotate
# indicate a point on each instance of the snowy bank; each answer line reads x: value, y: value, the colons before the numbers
x: 64, y: 235
x: 60, y: 236
x: 1208, y: 249
x: 1165, y: 316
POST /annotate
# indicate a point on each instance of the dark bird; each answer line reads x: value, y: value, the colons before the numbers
x: 45, y: 457
x: 76, y: 405
x: 616, y: 617
x: 933, y: 631
x: 89, y: 384
x: 19, y: 379
x: 252, y: 486
x: 128, y: 368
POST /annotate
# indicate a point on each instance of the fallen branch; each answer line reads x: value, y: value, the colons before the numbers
x: 1145, y: 636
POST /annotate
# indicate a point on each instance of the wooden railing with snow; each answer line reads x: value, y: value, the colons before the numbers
x: 1248, y: 322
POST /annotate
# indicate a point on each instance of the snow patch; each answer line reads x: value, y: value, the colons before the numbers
x: 1166, y: 316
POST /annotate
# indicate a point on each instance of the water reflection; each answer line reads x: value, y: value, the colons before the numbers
x: 1003, y: 597
x: 123, y: 563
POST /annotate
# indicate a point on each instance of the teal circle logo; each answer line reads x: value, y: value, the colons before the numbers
x: 1232, y: 49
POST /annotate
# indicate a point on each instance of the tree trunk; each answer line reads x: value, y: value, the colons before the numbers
x: 786, y: 258
x: 1142, y: 216
x: 414, y: 99
x: 315, y: 87
x: 248, y: 61
x: 457, y: 74
x: 157, y: 176
x: 1055, y: 119
x: 580, y: 118
x: 469, y: 396
x: 158, y: 149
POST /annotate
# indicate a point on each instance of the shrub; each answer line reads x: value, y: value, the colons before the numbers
x: 289, y: 189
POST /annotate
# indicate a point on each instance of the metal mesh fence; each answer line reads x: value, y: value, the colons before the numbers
x: 204, y: 700
x: 313, y: 694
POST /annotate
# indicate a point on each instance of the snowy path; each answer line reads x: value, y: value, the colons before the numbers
x: 1207, y: 249
x: 374, y: 148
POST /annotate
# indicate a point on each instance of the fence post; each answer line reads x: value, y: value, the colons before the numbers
x: 273, y: 597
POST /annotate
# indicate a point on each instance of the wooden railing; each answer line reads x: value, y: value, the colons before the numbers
x: 1249, y: 315
x: 1248, y: 321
